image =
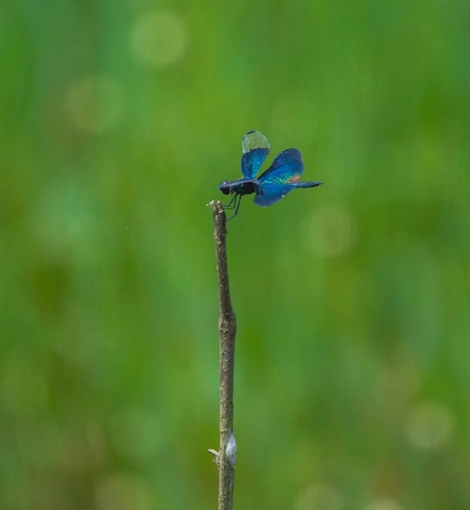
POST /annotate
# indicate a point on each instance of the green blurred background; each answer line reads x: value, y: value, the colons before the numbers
x: 118, y: 121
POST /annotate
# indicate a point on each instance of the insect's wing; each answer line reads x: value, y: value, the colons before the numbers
x: 271, y: 193
x: 280, y: 178
x: 255, y: 148
x: 286, y: 168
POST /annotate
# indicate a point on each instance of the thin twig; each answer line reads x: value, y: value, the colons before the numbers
x: 225, y: 458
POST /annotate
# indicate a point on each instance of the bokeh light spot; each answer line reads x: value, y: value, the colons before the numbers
x: 123, y: 491
x: 63, y: 220
x: 330, y: 231
x: 158, y: 38
x: 320, y: 497
x: 383, y: 504
x: 94, y: 104
x: 429, y: 425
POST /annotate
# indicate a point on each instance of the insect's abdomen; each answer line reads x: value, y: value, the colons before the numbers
x: 308, y: 184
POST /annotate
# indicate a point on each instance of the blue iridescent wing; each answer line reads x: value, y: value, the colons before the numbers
x: 255, y: 148
x: 286, y: 168
x: 271, y: 193
x: 280, y: 178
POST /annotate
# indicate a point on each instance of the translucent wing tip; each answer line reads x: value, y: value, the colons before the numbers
x: 254, y: 140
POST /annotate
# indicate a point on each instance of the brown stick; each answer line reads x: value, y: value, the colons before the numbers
x: 225, y: 458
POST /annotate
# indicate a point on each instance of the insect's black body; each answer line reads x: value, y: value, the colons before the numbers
x: 239, y: 188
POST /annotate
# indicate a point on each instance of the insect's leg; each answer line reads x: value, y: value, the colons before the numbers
x: 231, y: 204
x: 236, y: 208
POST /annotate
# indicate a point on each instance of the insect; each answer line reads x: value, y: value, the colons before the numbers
x: 280, y: 178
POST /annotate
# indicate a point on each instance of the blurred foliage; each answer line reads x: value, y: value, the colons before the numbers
x: 118, y: 119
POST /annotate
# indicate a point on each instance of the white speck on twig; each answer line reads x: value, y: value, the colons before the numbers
x: 231, y: 450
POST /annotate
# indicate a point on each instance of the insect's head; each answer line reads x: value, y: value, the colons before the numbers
x: 225, y: 187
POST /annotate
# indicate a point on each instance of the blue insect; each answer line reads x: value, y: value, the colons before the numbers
x: 280, y: 178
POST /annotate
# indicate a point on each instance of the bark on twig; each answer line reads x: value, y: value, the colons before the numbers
x: 225, y: 458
